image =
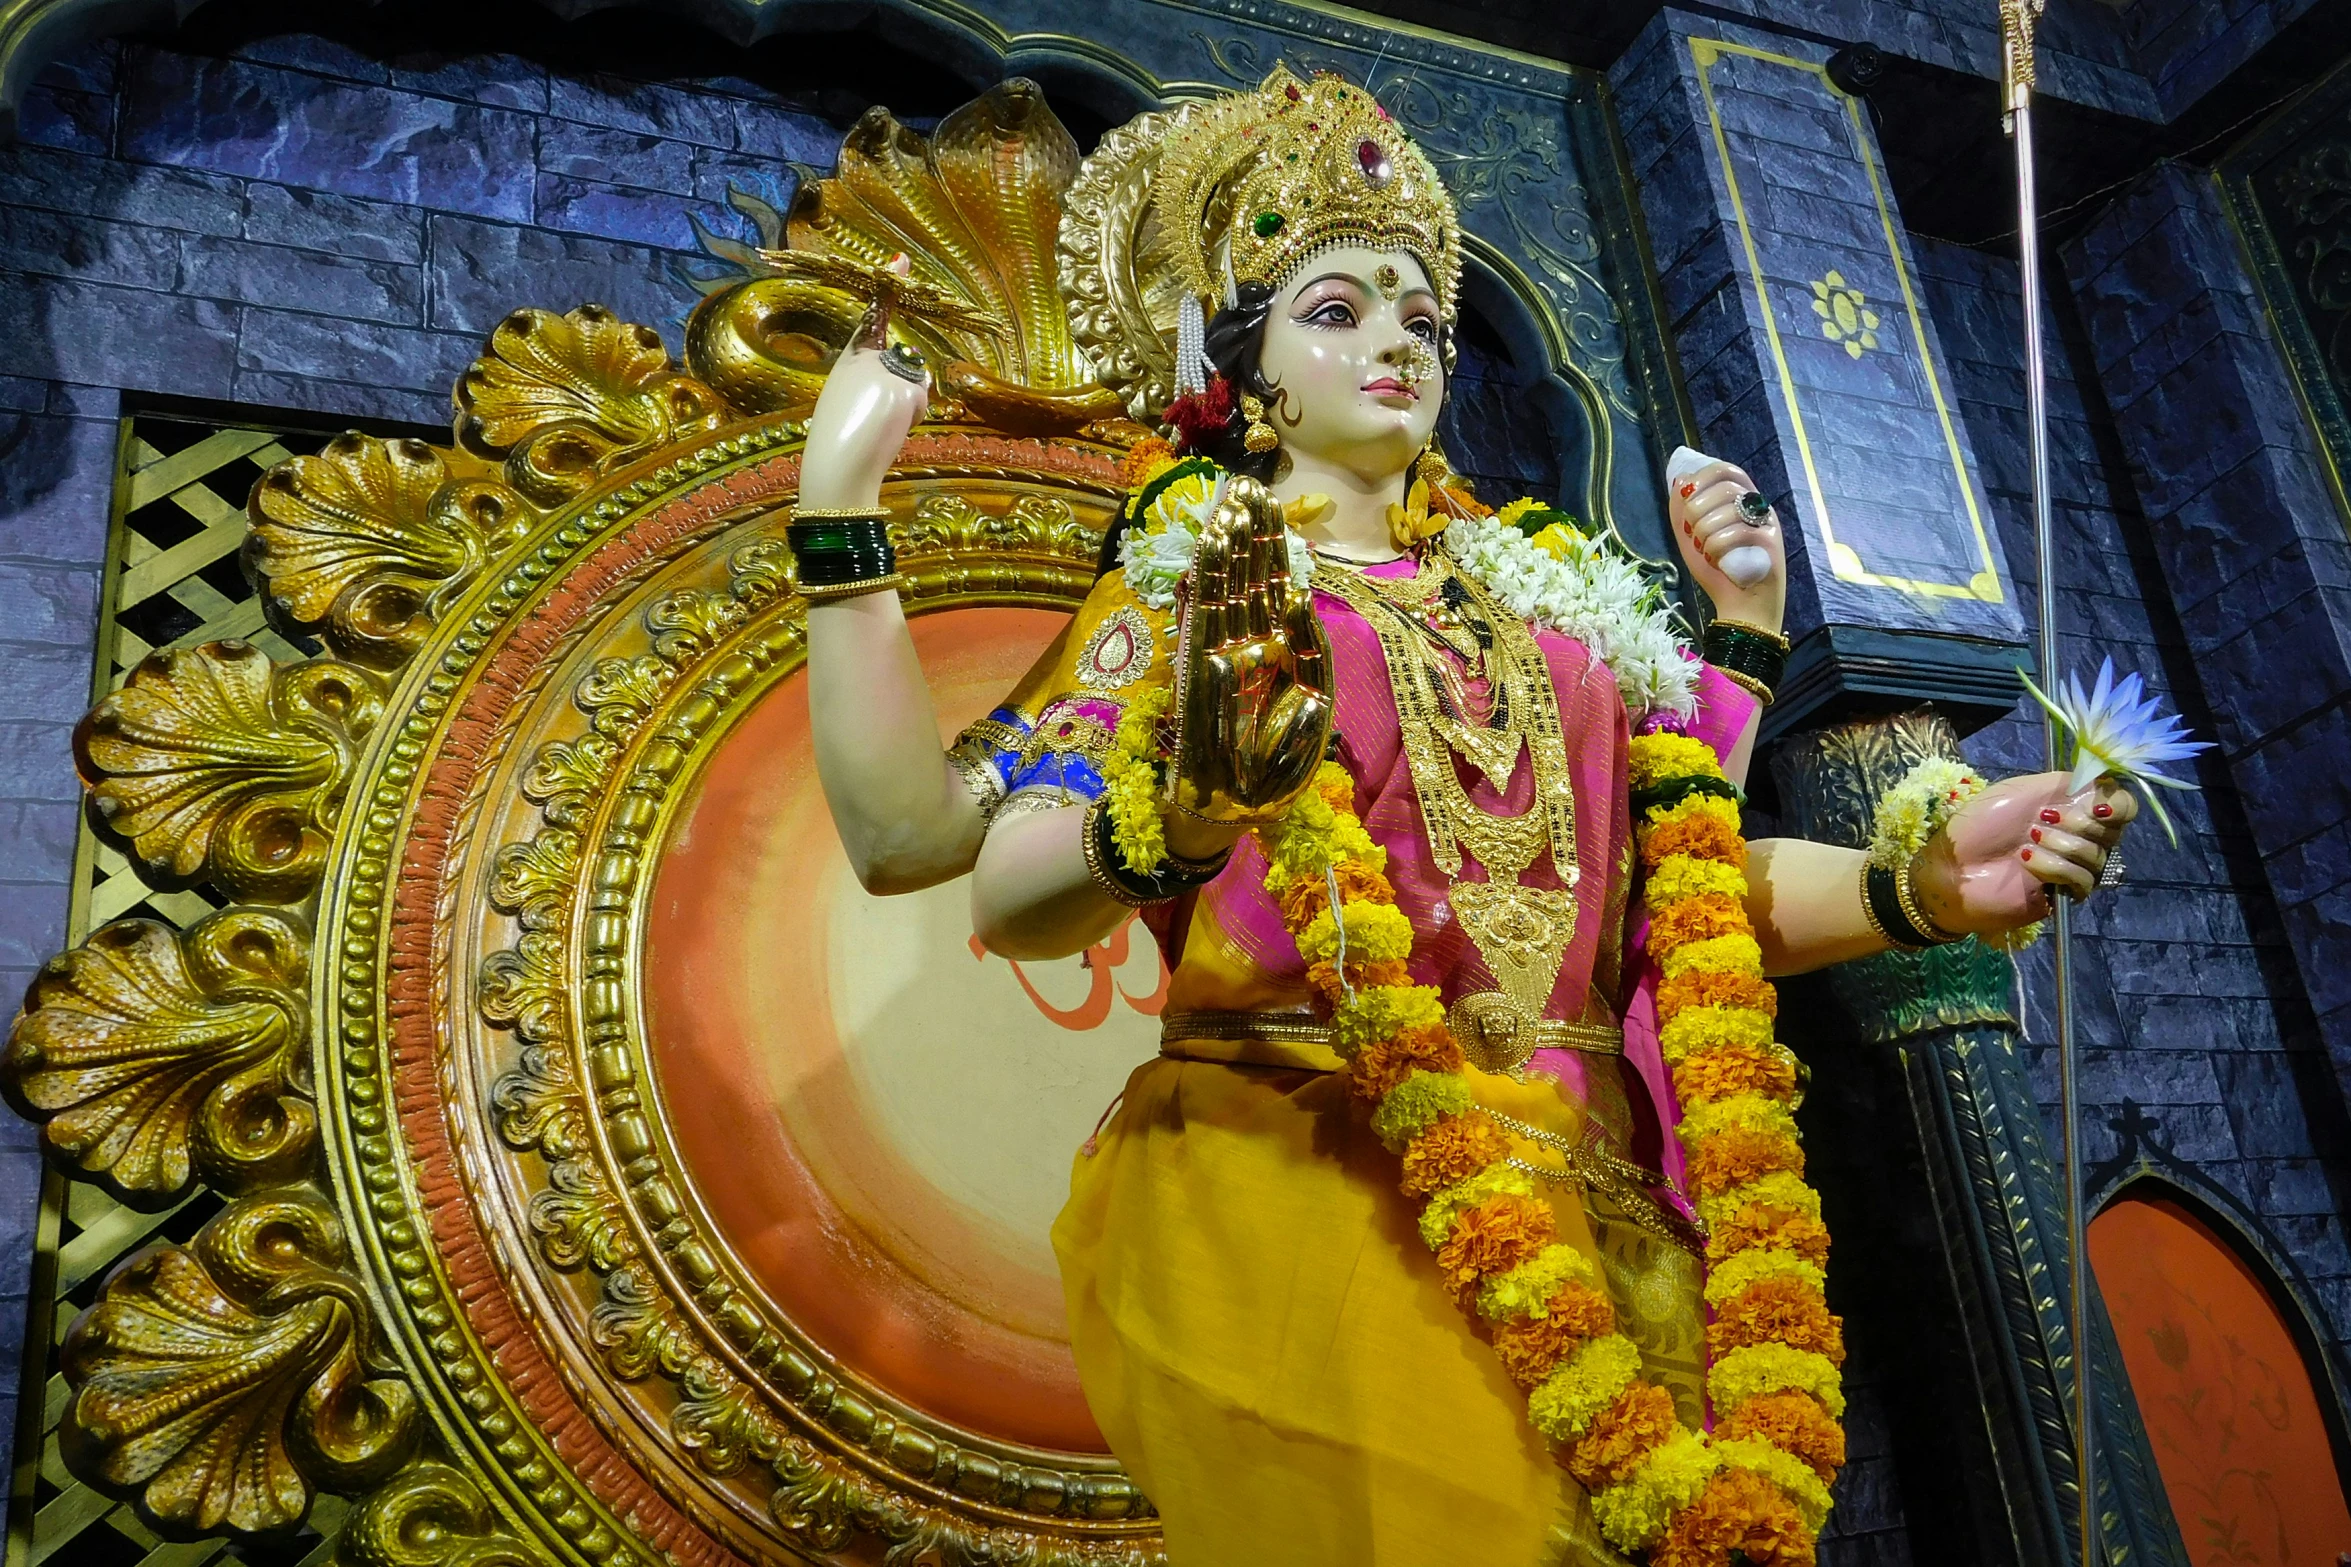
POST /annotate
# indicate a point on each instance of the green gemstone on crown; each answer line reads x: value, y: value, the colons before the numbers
x: 1268, y: 224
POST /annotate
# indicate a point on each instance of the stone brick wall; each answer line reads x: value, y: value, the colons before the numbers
x: 2188, y: 1002
x: 298, y: 226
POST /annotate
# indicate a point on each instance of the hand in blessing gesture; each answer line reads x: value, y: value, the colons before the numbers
x: 1253, y: 704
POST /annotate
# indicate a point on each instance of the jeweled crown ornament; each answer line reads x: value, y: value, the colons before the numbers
x: 1262, y: 182
x: 1178, y: 208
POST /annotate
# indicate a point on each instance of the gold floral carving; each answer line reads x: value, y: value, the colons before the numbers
x: 368, y: 540
x: 221, y: 1383
x: 214, y: 763
x: 565, y: 399
x: 224, y: 1381
x: 429, y: 1515
x: 152, y: 1057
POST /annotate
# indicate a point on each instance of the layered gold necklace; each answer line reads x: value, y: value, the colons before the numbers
x: 1425, y: 623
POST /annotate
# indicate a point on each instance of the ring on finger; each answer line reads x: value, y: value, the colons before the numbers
x: 1754, y: 505
x: 2110, y: 872
x: 904, y: 361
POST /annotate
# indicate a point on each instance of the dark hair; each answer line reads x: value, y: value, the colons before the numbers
x: 1235, y: 343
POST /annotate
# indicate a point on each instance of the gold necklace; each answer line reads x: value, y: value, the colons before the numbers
x: 1522, y: 932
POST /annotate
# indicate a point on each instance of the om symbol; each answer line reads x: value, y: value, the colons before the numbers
x: 1100, y: 961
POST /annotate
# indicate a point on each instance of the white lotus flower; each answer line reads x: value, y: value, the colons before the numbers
x: 2109, y: 730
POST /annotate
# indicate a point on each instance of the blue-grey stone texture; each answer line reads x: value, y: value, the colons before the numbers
x: 1780, y: 254
x: 300, y: 231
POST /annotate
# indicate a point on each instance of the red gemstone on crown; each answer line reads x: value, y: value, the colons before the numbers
x: 1374, y: 162
x: 1292, y: 90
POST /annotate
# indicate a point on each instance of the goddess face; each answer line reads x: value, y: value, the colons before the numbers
x: 1350, y: 348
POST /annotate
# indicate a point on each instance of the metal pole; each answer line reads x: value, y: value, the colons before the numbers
x: 2017, y: 18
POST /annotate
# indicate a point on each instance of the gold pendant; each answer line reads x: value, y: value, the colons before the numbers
x: 1523, y: 934
x: 1493, y: 752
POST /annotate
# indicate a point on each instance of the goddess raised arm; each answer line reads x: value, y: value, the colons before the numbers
x: 1468, y: 1035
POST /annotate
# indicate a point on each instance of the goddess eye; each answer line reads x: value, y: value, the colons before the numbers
x: 1331, y: 312
x: 1422, y: 327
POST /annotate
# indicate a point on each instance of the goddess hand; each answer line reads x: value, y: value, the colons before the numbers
x: 1708, y: 523
x: 868, y: 404
x: 1992, y: 865
x: 1253, y: 704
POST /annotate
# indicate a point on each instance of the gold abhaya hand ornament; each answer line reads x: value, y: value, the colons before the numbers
x: 1253, y: 703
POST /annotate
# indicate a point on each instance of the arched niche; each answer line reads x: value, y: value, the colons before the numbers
x: 2241, y: 1400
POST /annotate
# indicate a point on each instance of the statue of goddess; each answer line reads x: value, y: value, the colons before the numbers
x: 1461, y: 1217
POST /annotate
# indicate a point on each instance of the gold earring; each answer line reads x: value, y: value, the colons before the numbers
x: 1259, y: 438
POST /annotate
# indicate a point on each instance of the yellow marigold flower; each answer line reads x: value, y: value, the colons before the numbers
x: 1734, y: 1274
x: 1780, y: 1190
x: 1500, y: 1180
x: 1687, y: 876
x: 1382, y: 1012
x: 1791, y: 1474
x: 1692, y: 805
x: 1716, y: 954
x: 1693, y: 1029
x: 1526, y: 1290
x: 1561, y: 542
x: 1771, y: 1368
x: 1652, y: 759
x: 1745, y: 1112
x: 1508, y: 516
x: 1376, y: 933
x: 1416, y: 1104
x: 1635, y: 1512
x: 1580, y: 1391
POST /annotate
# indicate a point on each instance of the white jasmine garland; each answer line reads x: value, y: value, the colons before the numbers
x: 1155, y: 559
x: 1596, y: 596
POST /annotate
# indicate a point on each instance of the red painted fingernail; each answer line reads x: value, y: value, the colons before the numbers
x: 1689, y: 490
x: 2050, y: 817
x: 2036, y: 835
x: 2101, y: 811
x: 2026, y: 854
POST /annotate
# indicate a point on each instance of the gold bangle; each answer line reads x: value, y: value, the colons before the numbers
x: 1772, y: 637
x: 840, y: 514
x: 831, y: 591
x: 1090, y: 839
x: 1906, y: 896
x: 1747, y: 683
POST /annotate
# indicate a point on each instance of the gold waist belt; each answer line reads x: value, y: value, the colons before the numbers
x: 1302, y: 1042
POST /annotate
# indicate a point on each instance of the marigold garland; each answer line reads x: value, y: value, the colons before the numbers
x: 1759, y: 1485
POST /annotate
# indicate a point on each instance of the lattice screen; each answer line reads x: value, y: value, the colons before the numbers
x: 172, y: 580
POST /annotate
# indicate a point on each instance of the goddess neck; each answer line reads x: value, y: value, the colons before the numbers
x: 1356, y: 525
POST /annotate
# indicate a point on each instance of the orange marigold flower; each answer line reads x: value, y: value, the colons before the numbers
x: 1701, y: 918
x: 1741, y: 1153
x: 1777, y: 1309
x: 1455, y: 1149
x: 1531, y: 1347
x: 1310, y: 895
x: 1324, y: 977
x: 1740, y: 1515
x: 1733, y: 1069
x: 1626, y: 1431
x: 1698, y: 988
x: 1699, y: 835
x: 1384, y: 1063
x: 1139, y: 460
x: 1793, y: 1422
x: 1494, y: 1237
x: 1756, y: 1225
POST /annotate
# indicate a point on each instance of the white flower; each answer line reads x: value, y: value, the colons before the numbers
x: 2110, y: 730
x: 1596, y: 596
x: 1156, y: 558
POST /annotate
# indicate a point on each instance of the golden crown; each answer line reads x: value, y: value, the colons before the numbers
x: 1268, y: 178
